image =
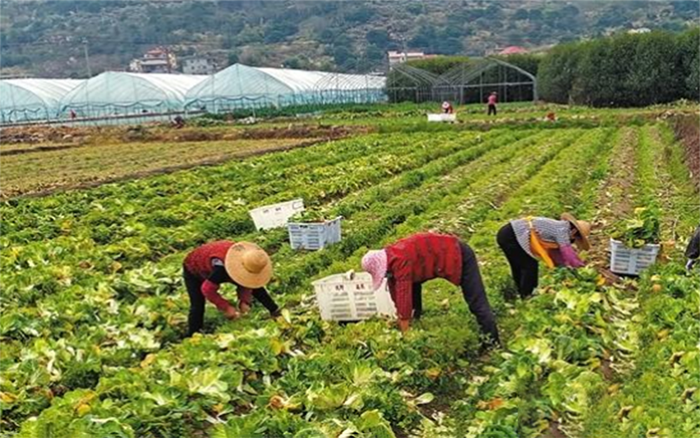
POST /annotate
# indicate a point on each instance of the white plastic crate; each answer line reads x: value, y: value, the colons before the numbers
x: 349, y: 297
x: 314, y: 235
x: 276, y: 215
x: 442, y: 117
x: 631, y: 261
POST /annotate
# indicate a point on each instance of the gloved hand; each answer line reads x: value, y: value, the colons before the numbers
x: 556, y: 257
x: 691, y: 263
x: 570, y: 257
x: 231, y: 313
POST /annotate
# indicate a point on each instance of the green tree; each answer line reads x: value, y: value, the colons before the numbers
x: 652, y: 77
x: 556, y: 73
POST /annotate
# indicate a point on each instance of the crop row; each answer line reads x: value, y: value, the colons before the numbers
x: 71, y: 260
x: 74, y: 167
x: 384, y: 217
x: 320, y: 260
x: 657, y: 395
x: 151, y: 293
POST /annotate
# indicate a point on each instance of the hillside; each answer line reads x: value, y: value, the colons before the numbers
x: 46, y: 38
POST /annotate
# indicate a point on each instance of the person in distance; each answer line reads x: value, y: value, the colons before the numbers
x: 447, y: 108
x: 411, y: 261
x: 492, y: 101
x: 207, y: 267
x: 526, y: 240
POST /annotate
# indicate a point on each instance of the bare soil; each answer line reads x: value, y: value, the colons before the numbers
x: 47, y: 136
x: 687, y: 130
x: 614, y: 202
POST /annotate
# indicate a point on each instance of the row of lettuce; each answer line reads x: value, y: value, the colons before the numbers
x: 139, y: 328
x: 303, y: 377
x: 122, y: 313
x: 520, y: 169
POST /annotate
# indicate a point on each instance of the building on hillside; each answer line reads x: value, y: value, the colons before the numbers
x: 513, y: 50
x: 401, y: 57
x: 199, y: 66
x: 157, y: 60
x: 639, y: 30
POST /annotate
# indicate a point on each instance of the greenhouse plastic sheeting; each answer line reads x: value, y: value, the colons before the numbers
x: 32, y: 99
x: 241, y: 86
x: 120, y: 93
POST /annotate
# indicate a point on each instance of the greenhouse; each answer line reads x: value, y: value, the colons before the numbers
x: 23, y: 100
x: 241, y: 86
x: 121, y: 97
x: 113, y: 94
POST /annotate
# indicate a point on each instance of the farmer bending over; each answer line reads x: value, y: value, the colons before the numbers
x: 414, y: 260
x: 525, y: 240
x: 244, y: 264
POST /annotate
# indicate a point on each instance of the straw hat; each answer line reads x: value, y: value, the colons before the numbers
x: 248, y: 265
x: 584, y: 230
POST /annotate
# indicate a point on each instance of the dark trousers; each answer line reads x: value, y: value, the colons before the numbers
x: 523, y: 267
x: 473, y: 291
x: 492, y: 110
x: 195, y: 318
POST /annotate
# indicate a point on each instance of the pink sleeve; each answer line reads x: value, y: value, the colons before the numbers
x: 245, y: 296
x: 570, y: 257
x: 556, y: 257
x: 210, y: 290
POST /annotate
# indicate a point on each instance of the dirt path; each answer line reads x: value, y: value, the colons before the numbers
x: 615, y: 200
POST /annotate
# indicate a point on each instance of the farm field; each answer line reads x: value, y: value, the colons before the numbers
x: 94, y: 310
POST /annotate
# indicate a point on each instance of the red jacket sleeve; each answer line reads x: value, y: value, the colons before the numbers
x: 245, y: 296
x: 210, y: 290
x: 403, y: 298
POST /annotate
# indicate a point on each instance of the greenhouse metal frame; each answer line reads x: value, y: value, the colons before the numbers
x: 464, y: 83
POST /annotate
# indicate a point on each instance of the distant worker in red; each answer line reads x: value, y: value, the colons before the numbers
x: 447, y: 108
x: 411, y: 261
x: 73, y: 115
x: 243, y: 264
x: 492, y: 101
x: 526, y: 240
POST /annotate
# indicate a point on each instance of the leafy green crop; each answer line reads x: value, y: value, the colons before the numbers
x: 640, y: 229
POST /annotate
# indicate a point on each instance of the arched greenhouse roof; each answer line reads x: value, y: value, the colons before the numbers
x: 263, y: 85
x: 122, y: 89
x: 34, y: 94
x: 299, y: 81
x: 238, y: 81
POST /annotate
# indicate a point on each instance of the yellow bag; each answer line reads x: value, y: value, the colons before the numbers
x: 539, y: 247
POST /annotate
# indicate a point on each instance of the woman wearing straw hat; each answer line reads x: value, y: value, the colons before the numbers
x: 411, y: 261
x: 526, y: 240
x: 244, y: 264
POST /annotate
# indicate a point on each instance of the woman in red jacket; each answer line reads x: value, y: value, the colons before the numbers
x: 414, y: 260
x: 244, y: 264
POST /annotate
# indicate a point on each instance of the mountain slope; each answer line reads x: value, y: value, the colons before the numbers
x: 48, y: 38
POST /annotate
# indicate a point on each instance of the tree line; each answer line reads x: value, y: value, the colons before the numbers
x: 623, y: 70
